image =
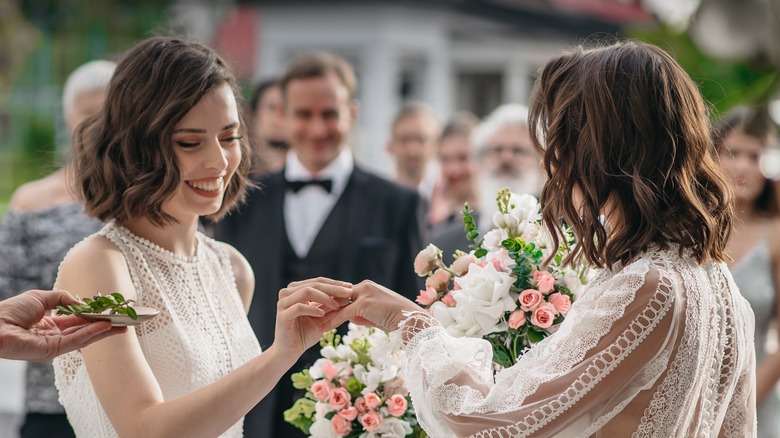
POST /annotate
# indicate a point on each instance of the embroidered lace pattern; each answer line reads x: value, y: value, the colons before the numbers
x: 661, y: 347
x: 201, y: 334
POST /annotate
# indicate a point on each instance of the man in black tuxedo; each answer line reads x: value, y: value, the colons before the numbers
x: 320, y: 216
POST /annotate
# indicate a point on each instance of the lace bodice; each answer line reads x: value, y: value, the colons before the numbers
x: 661, y: 347
x: 201, y: 334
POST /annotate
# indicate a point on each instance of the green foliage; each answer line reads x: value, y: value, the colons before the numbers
x: 301, y: 414
x: 302, y: 380
x: 470, y: 226
x: 115, y: 303
x: 724, y: 84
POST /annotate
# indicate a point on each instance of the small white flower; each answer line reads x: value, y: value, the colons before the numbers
x: 493, y: 239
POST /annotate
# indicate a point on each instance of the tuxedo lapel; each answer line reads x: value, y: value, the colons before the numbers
x: 358, y: 204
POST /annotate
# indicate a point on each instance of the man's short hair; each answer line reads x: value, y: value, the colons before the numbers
x: 320, y: 64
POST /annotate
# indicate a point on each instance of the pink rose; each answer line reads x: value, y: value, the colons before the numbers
x: 427, y: 260
x: 330, y: 371
x: 340, y: 425
x: 461, y: 266
x: 360, y: 404
x: 321, y: 390
x: 396, y: 405
x: 427, y: 296
x: 439, y: 280
x: 517, y: 319
x: 543, y: 316
x: 530, y: 299
x: 371, y: 421
x: 544, y: 281
x: 561, y: 302
x: 350, y: 413
x: 372, y: 400
x: 448, y: 300
x: 339, y: 398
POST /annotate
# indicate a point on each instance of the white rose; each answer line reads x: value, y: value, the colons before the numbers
x: 427, y: 260
x: 322, y: 429
x: 483, y: 299
x: 493, y: 239
x: 391, y: 427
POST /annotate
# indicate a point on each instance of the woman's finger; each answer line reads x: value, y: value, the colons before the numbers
x: 322, y: 280
x: 334, y: 319
x: 301, y: 309
x: 320, y: 293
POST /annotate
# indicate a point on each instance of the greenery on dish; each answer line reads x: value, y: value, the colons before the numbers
x: 115, y: 303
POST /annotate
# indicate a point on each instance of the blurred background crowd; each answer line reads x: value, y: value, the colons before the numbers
x: 441, y: 90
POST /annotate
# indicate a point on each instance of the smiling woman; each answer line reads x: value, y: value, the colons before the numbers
x: 168, y: 147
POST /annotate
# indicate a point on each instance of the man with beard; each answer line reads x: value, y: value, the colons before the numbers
x: 506, y: 158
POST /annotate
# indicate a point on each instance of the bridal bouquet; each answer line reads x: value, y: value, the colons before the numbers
x: 354, y: 390
x: 500, y: 291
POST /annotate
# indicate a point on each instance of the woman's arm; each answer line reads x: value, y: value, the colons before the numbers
x: 768, y: 370
x: 125, y: 384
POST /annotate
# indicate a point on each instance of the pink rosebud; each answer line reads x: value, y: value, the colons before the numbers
x: 350, y: 413
x: 544, y: 281
x: 427, y: 260
x: 517, y: 319
x: 461, y: 266
x: 339, y: 398
x: 543, y: 316
x: 561, y: 302
x: 331, y: 373
x: 448, y: 300
x: 439, y: 280
x: 530, y: 299
x: 427, y: 296
x: 396, y: 405
x: 371, y: 421
x: 456, y: 286
x: 340, y: 425
x: 321, y: 390
x: 360, y: 405
x: 372, y: 400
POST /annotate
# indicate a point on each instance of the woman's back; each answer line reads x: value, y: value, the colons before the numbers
x: 200, y: 335
x: 651, y: 348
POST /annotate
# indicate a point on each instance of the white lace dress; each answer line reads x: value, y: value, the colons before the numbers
x: 676, y: 360
x: 201, y: 334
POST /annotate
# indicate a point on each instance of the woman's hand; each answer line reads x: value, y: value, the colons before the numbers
x: 372, y: 304
x: 299, y: 309
x: 27, y: 333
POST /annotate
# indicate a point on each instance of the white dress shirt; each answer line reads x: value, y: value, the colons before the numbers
x: 306, y: 211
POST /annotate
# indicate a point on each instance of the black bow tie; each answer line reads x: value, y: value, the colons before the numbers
x: 296, y: 186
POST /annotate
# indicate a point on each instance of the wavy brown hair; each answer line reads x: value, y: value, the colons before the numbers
x: 627, y: 126
x: 123, y: 159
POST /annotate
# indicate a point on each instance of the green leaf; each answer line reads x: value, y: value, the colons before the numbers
x: 63, y: 311
x: 534, y: 335
x: 302, y: 380
x: 118, y: 297
x: 301, y: 414
x: 131, y: 313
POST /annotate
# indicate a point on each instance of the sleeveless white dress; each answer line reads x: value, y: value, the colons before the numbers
x: 201, y: 334
x: 676, y: 360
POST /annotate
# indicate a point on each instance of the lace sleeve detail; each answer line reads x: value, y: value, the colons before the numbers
x: 581, y: 377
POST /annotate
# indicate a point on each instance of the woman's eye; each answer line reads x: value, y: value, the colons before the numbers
x: 186, y: 145
x: 233, y: 138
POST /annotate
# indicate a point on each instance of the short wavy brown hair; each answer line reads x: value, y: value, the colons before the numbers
x: 123, y: 162
x: 626, y: 125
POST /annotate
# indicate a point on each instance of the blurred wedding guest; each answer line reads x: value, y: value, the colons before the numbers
x: 459, y: 172
x: 412, y: 144
x: 169, y: 146
x: 28, y: 332
x: 754, y: 246
x: 322, y: 215
x: 267, y: 127
x: 506, y: 158
x: 43, y: 222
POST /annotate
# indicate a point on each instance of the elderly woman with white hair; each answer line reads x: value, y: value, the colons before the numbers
x: 43, y: 222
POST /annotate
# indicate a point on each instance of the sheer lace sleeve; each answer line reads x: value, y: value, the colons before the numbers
x: 606, y: 359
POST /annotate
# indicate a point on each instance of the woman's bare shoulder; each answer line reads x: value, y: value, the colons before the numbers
x: 95, y: 265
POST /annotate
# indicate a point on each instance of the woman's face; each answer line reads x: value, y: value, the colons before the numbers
x: 740, y: 156
x: 207, y: 150
x: 458, y: 166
